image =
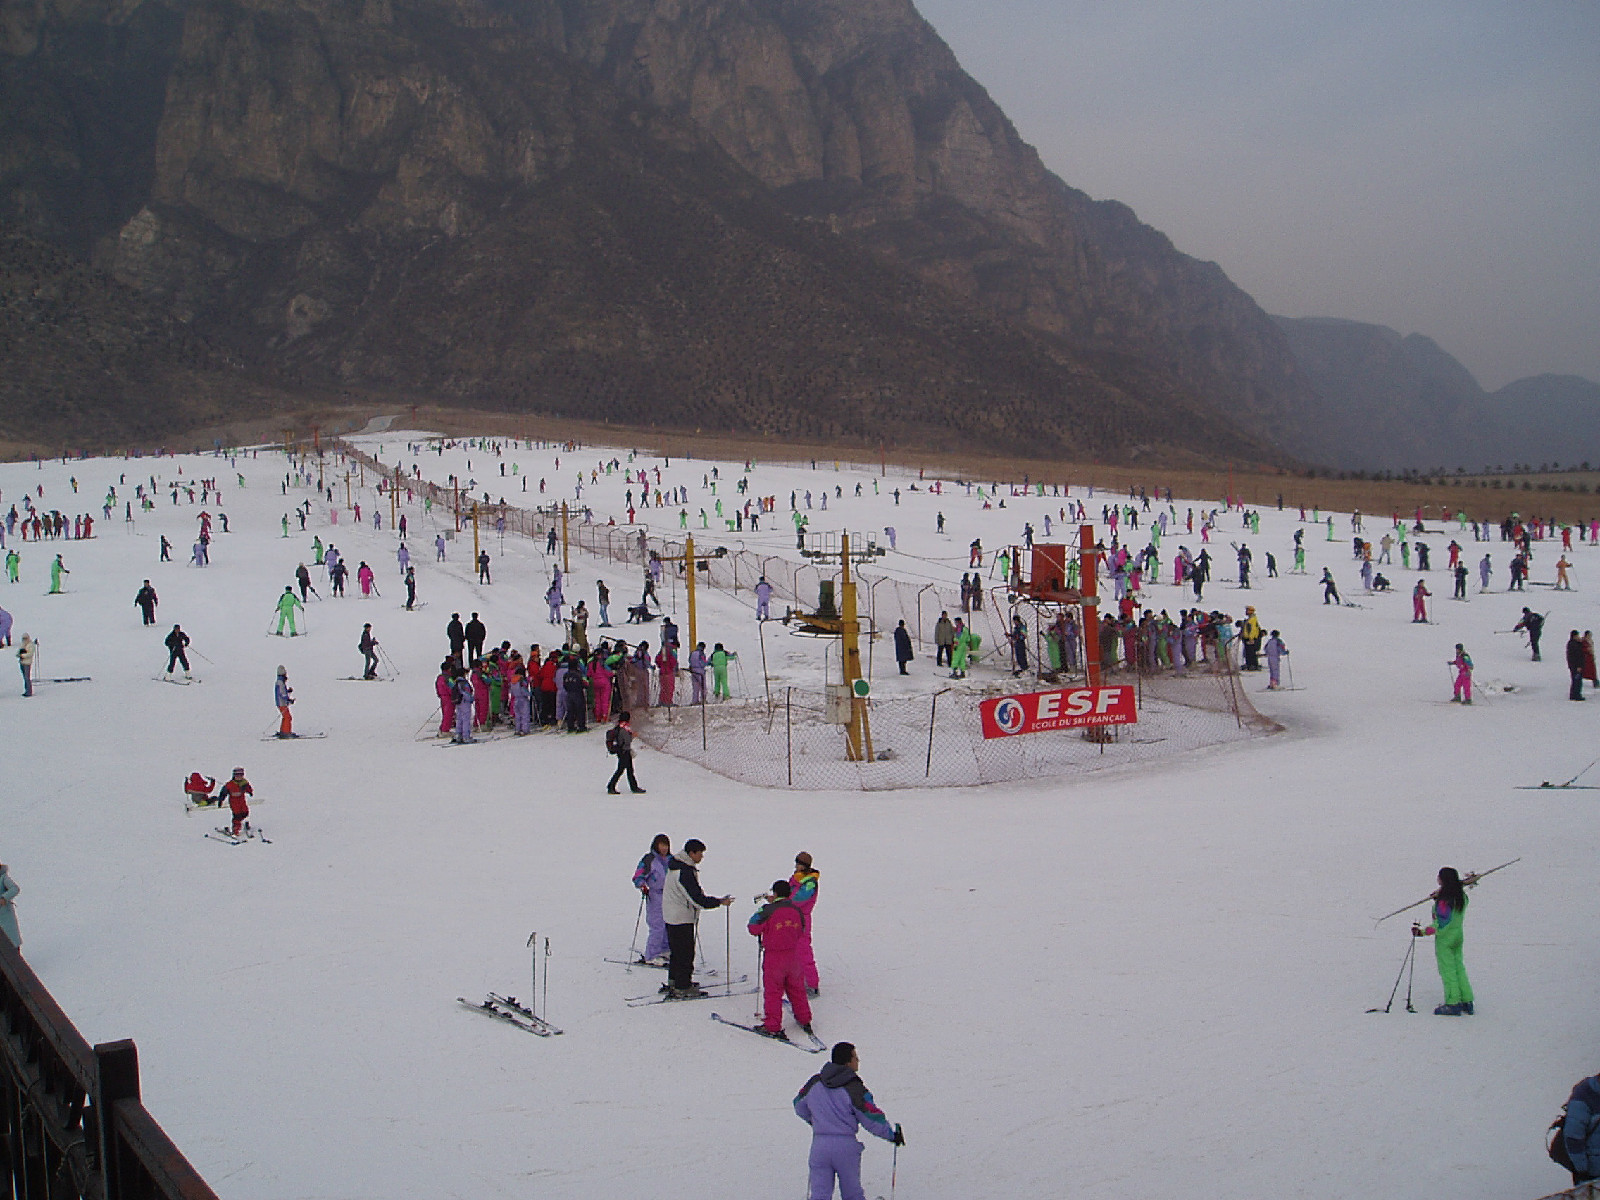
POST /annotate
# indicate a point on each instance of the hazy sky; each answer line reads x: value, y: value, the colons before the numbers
x: 1426, y: 165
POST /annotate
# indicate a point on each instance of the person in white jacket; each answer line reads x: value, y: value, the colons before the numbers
x: 681, y: 902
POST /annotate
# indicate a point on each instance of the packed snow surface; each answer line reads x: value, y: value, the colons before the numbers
x: 1146, y: 979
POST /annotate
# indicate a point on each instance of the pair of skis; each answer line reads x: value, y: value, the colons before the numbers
x: 224, y: 834
x: 511, y: 1011
x: 724, y: 990
x: 812, y: 1044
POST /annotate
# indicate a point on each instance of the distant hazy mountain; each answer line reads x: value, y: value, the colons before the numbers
x: 1392, y: 401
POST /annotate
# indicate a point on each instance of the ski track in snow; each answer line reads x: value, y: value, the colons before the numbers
x: 1063, y: 986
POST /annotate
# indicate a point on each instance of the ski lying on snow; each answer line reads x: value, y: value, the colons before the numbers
x: 813, y: 1046
x: 364, y: 679
x: 512, y: 1016
x: 1558, y: 787
x: 511, y: 1003
x: 179, y: 682
x: 292, y: 737
x: 66, y: 679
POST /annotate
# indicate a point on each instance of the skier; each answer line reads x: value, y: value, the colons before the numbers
x: 1419, y: 603
x: 438, y: 546
x: 1575, y: 665
x: 57, y: 570
x: 146, y: 602
x: 1449, y: 911
x: 1580, y: 1126
x: 619, y: 741
x: 780, y: 927
x: 902, y: 647
x: 198, y: 790
x: 1244, y: 566
x: 365, y: 578
x: 720, y: 658
x: 1533, y: 624
x: 1330, y: 589
x: 803, y: 894
x: 283, y: 697
x: 9, y: 891
x: 1461, y: 581
x: 1250, y: 639
x: 368, y: 645
x: 650, y: 877
x: 1462, y: 662
x: 177, y: 652
x: 763, y: 598
x: 411, y: 588
x: 235, y: 790
x: 463, y: 702
x: 403, y: 557
x: 1275, y: 653
x: 483, y: 567
x: 697, y: 674
x: 681, y: 903
x: 166, y: 549
x: 835, y: 1103
x: 25, y: 656
x: 287, y: 603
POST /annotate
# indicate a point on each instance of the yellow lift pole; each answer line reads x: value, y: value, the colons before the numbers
x: 688, y: 559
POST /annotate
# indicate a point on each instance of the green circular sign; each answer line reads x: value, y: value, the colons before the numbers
x: 861, y: 688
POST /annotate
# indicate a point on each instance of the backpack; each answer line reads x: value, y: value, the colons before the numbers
x: 613, y: 742
x: 1555, y: 1144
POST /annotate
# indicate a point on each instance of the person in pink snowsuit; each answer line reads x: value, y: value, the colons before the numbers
x: 364, y: 578
x: 667, y: 673
x: 781, y: 926
x: 803, y: 893
x: 1419, y: 602
x: 1462, y: 662
x: 480, y: 696
x: 447, y: 703
x: 600, y: 676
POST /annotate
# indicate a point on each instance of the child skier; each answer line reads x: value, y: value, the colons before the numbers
x: 1462, y: 662
x: 235, y: 790
x: 1275, y: 651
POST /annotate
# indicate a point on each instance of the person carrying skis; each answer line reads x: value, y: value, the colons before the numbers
x: 650, y: 877
x: 1462, y: 662
x: 177, y: 652
x: 145, y: 601
x: 681, y: 903
x: 235, y: 791
x: 287, y: 603
x: 781, y: 927
x: 1419, y: 603
x: 619, y: 741
x: 1533, y: 624
x: 283, y: 697
x: 835, y: 1103
x: 198, y: 790
x: 1449, y: 912
x: 368, y: 645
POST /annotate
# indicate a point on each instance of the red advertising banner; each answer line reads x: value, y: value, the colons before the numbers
x: 1065, y: 708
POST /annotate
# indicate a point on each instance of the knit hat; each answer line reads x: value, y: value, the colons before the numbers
x: 282, y: 671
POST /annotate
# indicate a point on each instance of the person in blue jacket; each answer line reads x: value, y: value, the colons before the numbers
x: 835, y: 1103
x: 1580, y: 1131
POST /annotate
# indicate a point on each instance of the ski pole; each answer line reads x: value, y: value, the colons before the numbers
x: 633, y: 946
x: 1413, y: 973
x: 727, y: 942
x: 1410, y: 952
x: 894, y: 1168
x: 533, y: 970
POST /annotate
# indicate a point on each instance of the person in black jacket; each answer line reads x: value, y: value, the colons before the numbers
x: 1533, y: 623
x: 1580, y: 1129
x: 476, y: 635
x: 177, y: 640
x: 146, y: 603
x: 457, y: 636
x: 1575, y: 660
x: 902, y: 646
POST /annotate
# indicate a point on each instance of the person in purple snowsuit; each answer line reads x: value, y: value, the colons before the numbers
x: 650, y: 877
x: 834, y: 1102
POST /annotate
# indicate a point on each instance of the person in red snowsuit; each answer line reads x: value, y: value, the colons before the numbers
x: 447, y: 703
x: 1419, y: 602
x: 198, y: 788
x: 780, y: 926
x: 236, y: 789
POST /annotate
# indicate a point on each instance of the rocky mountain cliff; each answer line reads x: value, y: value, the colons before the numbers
x: 1392, y: 401
x: 789, y: 216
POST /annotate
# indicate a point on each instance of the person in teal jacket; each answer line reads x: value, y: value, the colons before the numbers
x: 8, y: 910
x: 1449, y: 913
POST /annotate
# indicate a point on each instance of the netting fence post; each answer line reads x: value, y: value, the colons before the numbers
x: 788, y: 730
x: 933, y: 714
x: 703, y: 707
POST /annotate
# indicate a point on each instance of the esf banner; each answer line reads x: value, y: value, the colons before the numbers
x: 1065, y: 708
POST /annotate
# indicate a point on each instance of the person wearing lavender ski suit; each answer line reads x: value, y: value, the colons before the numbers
x: 803, y: 894
x: 650, y: 877
x: 835, y: 1103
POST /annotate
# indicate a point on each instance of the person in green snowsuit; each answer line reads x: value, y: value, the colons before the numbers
x: 13, y: 565
x: 316, y: 550
x: 719, y: 673
x: 966, y: 646
x: 287, y: 603
x: 1449, y: 912
x: 56, y: 572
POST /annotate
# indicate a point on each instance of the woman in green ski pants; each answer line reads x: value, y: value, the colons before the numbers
x: 1449, y: 912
